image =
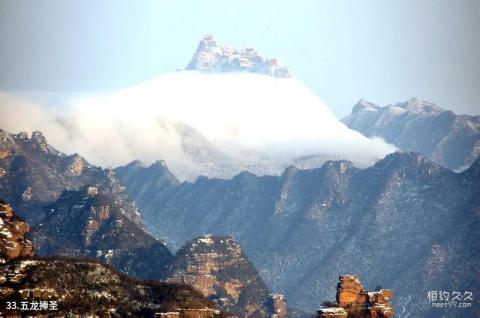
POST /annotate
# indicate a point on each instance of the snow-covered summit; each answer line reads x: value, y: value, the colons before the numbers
x: 211, y: 58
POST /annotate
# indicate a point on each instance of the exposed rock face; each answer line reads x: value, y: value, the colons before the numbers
x: 89, y: 223
x: 449, y: 139
x: 406, y: 222
x: 13, y: 243
x: 277, y: 305
x: 350, y: 291
x: 87, y: 289
x: 356, y: 300
x: 33, y: 173
x: 218, y: 268
x: 221, y: 59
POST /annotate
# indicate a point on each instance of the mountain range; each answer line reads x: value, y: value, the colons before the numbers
x: 223, y: 230
x: 406, y: 223
x: 447, y: 138
x: 98, y: 224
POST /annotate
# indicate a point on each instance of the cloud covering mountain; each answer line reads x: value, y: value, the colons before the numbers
x: 247, y: 117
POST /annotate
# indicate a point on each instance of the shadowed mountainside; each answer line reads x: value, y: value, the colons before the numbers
x: 406, y: 223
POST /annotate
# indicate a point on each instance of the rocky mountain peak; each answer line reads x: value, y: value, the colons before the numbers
x: 449, y: 139
x: 160, y: 164
x: 38, y: 138
x: 217, y: 266
x: 364, y: 104
x: 36, y: 141
x: 408, y: 163
x: 211, y: 58
x: 75, y: 164
x: 419, y: 106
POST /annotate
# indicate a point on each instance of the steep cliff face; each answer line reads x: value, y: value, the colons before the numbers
x: 13, y: 243
x: 89, y: 223
x: 33, y: 173
x: 354, y: 301
x: 218, y: 268
x: 212, y: 58
x: 451, y: 140
x: 406, y: 222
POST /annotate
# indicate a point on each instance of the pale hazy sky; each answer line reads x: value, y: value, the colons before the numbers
x: 385, y: 51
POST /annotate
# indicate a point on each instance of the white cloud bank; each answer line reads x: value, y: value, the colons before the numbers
x: 280, y: 118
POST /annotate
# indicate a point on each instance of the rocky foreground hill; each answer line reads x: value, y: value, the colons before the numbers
x: 447, y: 138
x: 60, y: 287
x: 406, y: 223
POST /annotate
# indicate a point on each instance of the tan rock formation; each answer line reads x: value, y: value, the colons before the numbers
x: 277, y: 305
x: 217, y: 267
x: 353, y: 300
x: 13, y: 243
x: 350, y: 291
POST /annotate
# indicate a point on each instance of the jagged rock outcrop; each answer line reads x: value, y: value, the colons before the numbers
x: 355, y: 301
x: 218, y: 268
x: 90, y: 223
x: 83, y: 288
x: 406, y: 222
x: 33, y: 173
x: 13, y: 243
x: 449, y: 139
x: 222, y: 59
